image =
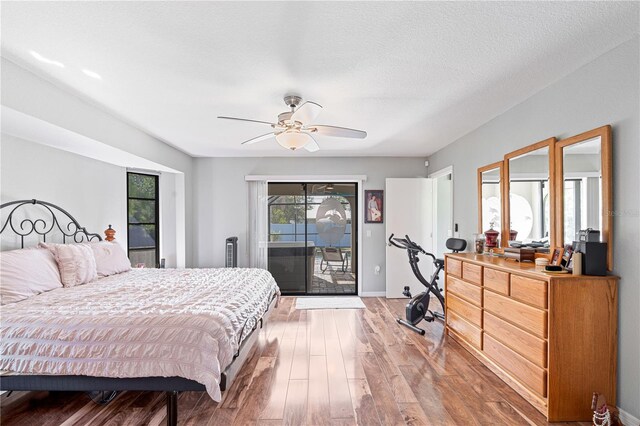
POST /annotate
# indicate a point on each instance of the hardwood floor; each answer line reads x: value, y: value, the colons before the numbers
x: 319, y: 367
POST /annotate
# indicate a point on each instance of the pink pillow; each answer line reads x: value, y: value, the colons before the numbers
x: 110, y: 258
x: 76, y: 263
x: 25, y: 273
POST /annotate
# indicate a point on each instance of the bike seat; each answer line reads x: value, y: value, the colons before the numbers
x: 439, y: 262
x: 456, y: 244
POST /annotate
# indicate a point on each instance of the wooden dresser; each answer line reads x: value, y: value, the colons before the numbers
x: 552, y: 338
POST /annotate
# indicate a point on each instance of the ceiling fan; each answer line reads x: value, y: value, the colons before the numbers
x: 294, y: 128
x: 322, y: 188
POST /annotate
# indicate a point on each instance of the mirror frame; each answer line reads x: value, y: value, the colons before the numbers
x: 506, y: 207
x: 496, y: 165
x: 607, y: 185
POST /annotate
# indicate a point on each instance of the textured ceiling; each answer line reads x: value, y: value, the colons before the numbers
x: 415, y: 76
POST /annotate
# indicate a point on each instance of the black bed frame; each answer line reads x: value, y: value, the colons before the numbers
x: 58, y: 220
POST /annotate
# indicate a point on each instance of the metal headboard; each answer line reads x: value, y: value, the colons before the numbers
x: 23, y: 226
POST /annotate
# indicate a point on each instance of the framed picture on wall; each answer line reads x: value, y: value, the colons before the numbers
x: 374, y: 206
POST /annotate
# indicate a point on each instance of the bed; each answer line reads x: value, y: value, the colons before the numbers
x: 165, y: 330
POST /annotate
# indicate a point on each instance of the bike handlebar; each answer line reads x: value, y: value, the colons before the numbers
x: 392, y: 242
x: 406, y: 244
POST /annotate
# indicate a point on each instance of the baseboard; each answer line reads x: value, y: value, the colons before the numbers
x: 628, y: 419
x: 373, y: 294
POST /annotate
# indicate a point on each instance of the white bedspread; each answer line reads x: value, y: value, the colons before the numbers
x: 142, y: 323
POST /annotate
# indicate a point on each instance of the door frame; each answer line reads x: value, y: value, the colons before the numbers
x: 357, y: 179
x: 435, y: 175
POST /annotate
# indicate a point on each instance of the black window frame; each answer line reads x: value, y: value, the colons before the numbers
x: 156, y: 199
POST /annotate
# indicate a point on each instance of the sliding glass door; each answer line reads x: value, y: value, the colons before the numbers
x: 313, y: 237
x: 287, y: 248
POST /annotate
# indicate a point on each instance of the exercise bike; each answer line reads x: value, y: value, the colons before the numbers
x: 418, y: 308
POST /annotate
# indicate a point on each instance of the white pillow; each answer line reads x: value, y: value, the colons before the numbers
x: 25, y: 273
x: 76, y: 263
x: 110, y: 258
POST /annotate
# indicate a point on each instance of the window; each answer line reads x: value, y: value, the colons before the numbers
x: 143, y: 219
x: 293, y: 218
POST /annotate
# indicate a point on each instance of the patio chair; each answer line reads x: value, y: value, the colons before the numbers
x: 333, y: 254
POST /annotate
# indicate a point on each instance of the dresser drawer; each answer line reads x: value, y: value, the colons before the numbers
x: 470, y: 292
x: 466, y: 310
x: 454, y: 267
x: 463, y: 328
x: 527, y: 317
x: 529, y: 290
x: 496, y: 280
x: 530, y: 375
x: 530, y: 347
x: 472, y: 273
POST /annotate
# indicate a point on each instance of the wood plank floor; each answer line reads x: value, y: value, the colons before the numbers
x: 319, y: 367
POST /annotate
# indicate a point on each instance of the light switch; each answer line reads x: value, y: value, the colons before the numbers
x: 368, y: 232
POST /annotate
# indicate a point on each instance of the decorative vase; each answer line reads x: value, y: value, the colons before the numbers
x: 491, y: 237
x: 110, y: 233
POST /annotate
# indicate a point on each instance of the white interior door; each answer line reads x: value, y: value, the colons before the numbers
x: 409, y: 208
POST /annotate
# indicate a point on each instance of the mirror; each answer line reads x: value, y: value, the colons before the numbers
x: 528, y: 210
x: 585, y: 174
x: 490, y: 197
x: 582, y: 190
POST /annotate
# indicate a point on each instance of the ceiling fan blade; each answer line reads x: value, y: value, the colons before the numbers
x: 340, y: 132
x: 307, y: 112
x: 247, y: 119
x: 312, y: 145
x: 259, y: 138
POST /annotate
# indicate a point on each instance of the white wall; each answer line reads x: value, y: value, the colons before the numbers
x: 31, y: 94
x: 93, y: 192
x: 220, y: 202
x: 606, y: 91
x: 77, y: 184
x: 168, y: 242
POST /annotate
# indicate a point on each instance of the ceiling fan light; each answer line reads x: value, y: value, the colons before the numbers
x: 292, y: 140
